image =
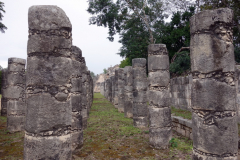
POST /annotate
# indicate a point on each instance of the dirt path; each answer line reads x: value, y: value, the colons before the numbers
x: 111, y: 136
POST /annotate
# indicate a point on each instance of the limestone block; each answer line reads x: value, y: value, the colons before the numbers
x: 49, y: 115
x: 160, y: 137
x: 157, y: 79
x: 209, y: 94
x: 218, y: 136
x: 50, y: 147
x: 13, y: 92
x: 140, y: 109
x: 159, y: 117
x: 139, y: 63
x: 139, y: 73
x: 158, y: 62
x: 159, y: 98
x: 218, y: 51
x: 16, y: 79
x: 40, y: 73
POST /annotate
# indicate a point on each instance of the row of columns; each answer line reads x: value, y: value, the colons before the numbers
x: 213, y: 91
x: 51, y: 100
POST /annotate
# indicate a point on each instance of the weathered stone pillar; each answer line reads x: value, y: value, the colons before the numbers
x: 214, y: 118
x: 84, y: 112
x: 128, y: 92
x: 3, y: 99
x: 113, y: 88
x: 76, y: 101
x: 110, y: 89
x: 15, y: 94
x: 121, y: 90
x: 116, y: 89
x: 140, y: 109
x: 88, y: 93
x: 50, y: 72
x: 159, y: 96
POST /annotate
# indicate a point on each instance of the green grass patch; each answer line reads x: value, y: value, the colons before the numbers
x: 182, y: 113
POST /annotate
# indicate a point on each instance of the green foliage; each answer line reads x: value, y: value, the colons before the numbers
x: 176, y: 33
x: 125, y: 62
x: 92, y: 74
x: 2, y: 26
x: 104, y: 70
x: 173, y: 143
x: 181, y: 113
x: 181, y: 63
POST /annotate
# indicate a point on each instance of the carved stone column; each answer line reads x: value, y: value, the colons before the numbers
x: 128, y: 92
x: 121, y: 90
x: 15, y: 94
x: 76, y: 101
x: 116, y: 89
x: 140, y: 109
x: 84, y: 112
x: 3, y: 99
x: 50, y: 72
x: 159, y: 96
x: 214, y: 118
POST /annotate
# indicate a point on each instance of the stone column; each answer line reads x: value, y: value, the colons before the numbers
x: 214, y: 118
x: 88, y: 93
x: 116, y: 89
x: 84, y: 112
x: 110, y: 89
x: 50, y: 72
x: 140, y: 109
x: 113, y: 88
x: 76, y: 101
x: 128, y: 92
x: 15, y: 94
x: 159, y: 96
x: 121, y: 90
x: 3, y: 99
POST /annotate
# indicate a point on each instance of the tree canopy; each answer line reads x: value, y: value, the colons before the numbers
x: 2, y: 26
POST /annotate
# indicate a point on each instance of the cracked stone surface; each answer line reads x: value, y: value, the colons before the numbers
x: 214, y: 118
x: 140, y: 119
x: 50, y: 87
x: 159, y: 97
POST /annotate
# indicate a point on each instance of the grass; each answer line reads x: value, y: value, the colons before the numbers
x: 181, y: 113
x: 109, y: 135
x: 11, y: 144
x: 112, y: 136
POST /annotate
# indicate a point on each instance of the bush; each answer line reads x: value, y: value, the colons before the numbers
x: 125, y: 62
x: 181, y: 63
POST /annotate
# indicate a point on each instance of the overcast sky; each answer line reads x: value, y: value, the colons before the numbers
x: 98, y: 51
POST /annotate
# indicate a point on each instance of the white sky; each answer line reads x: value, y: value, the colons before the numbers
x: 98, y: 51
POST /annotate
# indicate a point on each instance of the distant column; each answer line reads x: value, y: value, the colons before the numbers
x: 140, y: 109
x: 3, y: 99
x: 76, y: 101
x: 50, y: 69
x: 113, y: 88
x: 128, y: 92
x: 116, y: 89
x: 159, y: 96
x: 121, y: 90
x: 214, y: 118
x: 15, y: 94
x: 84, y: 111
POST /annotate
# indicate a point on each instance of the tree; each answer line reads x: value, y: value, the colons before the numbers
x: 104, y: 71
x: 2, y: 26
x: 176, y: 33
x: 125, y: 63
x: 113, y: 15
x: 92, y: 74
